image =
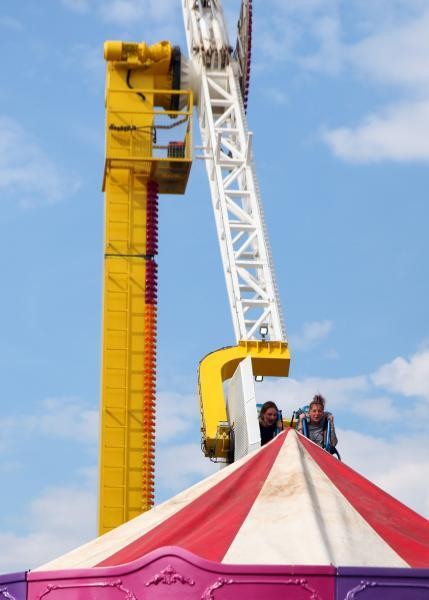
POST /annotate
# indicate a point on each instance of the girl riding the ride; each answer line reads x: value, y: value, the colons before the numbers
x: 317, y: 424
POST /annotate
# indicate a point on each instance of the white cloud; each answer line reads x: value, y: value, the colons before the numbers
x: 363, y: 395
x: 308, y: 7
x: 87, y: 60
x: 377, y: 408
x: 329, y: 57
x: 394, y: 48
x: 400, y: 133
x: 384, y: 43
x: 6, y: 424
x: 284, y: 31
x: 313, y: 332
x: 176, y: 414
x: 90, y: 58
x: 381, y: 32
x: 398, y: 55
x: 27, y: 174
x: 406, y: 377
x: 331, y: 354
x: 11, y: 23
x: 122, y: 12
x: 77, y: 6
x: 181, y: 465
x: 66, y: 418
x: 390, y: 463
x: 163, y: 9
x: 305, y: 12
x: 291, y: 394
x: 9, y: 466
x: 179, y: 462
x: 57, y: 521
x: 128, y: 12
x: 276, y: 95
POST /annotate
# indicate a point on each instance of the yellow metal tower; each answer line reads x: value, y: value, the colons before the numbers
x: 148, y: 151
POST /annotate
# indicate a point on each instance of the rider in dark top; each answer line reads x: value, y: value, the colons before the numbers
x: 269, y: 422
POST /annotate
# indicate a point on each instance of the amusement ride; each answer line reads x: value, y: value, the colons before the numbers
x: 287, y: 520
x: 151, y: 92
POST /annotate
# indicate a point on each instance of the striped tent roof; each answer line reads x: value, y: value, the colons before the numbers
x: 288, y: 503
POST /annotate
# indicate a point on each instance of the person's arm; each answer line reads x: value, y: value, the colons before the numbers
x: 333, y: 441
x: 300, y: 420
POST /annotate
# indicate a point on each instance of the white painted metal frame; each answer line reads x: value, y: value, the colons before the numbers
x: 242, y: 411
x: 227, y: 150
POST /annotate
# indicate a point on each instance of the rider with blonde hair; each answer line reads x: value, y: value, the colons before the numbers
x: 317, y: 423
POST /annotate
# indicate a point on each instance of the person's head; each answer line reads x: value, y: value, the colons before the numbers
x: 268, y: 413
x: 316, y: 409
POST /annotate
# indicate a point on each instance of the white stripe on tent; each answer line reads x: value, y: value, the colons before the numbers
x: 300, y: 517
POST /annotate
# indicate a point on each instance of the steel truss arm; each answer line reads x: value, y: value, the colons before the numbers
x: 227, y: 150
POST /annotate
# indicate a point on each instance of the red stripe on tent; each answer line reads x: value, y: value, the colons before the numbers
x: 406, y: 532
x: 208, y: 524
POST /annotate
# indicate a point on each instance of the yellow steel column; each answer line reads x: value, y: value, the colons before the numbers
x: 137, y: 167
x: 127, y: 413
x: 123, y: 365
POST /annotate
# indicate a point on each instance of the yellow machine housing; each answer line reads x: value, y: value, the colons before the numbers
x: 139, y: 80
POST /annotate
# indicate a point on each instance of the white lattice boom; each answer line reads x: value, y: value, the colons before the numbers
x: 227, y: 151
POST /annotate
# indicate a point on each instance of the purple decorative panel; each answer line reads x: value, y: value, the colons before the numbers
x: 365, y: 583
x: 13, y: 586
x: 170, y: 573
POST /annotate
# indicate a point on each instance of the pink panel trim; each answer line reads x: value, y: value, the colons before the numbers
x: 175, y: 573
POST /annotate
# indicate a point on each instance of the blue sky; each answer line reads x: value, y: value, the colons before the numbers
x: 339, y: 107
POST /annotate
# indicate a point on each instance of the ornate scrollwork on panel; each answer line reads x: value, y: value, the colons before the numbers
x: 6, y: 594
x: 363, y: 585
x: 208, y: 593
x: 168, y: 576
x: 129, y: 595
